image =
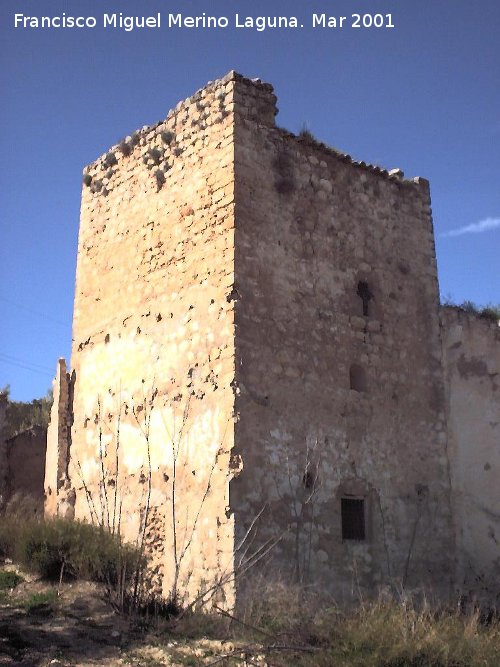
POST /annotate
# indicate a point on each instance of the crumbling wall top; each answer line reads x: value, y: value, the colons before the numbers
x: 255, y: 101
x: 480, y: 321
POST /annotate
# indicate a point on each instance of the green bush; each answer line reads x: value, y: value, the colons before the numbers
x: 41, y: 604
x: 491, y: 313
x: 10, y: 528
x: 21, y: 416
x: 83, y: 550
x: 9, y: 580
x: 77, y: 549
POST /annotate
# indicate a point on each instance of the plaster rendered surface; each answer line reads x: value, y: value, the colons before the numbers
x: 471, y: 350
x: 153, y: 353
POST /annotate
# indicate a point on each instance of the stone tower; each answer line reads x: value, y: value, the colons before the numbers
x: 256, y: 366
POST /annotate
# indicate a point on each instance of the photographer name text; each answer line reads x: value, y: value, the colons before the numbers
x: 120, y: 21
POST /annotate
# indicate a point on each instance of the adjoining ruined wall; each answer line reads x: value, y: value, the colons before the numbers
x: 22, y: 463
x: 25, y: 463
x: 471, y: 353
x: 316, y: 236
x: 59, y: 497
x: 153, y: 353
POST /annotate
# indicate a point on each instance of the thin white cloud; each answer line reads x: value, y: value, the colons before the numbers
x: 480, y: 227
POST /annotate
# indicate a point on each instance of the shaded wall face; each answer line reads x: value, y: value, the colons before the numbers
x: 153, y: 339
x: 471, y: 352
x: 26, y: 464
x: 340, y: 393
x: 22, y: 464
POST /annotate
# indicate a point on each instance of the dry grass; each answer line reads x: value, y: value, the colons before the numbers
x: 284, y: 625
x: 281, y: 624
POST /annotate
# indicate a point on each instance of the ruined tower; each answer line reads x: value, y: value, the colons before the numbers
x: 257, y: 377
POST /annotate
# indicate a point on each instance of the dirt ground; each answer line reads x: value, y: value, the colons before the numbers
x: 78, y: 628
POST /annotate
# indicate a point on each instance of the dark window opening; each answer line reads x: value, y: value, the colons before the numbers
x: 353, y: 518
x: 366, y: 296
x: 357, y: 378
x: 308, y: 480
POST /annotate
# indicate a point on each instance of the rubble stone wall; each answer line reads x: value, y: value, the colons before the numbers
x: 22, y: 464
x: 340, y: 386
x: 153, y: 353
x: 25, y: 463
x: 471, y: 352
x: 56, y: 482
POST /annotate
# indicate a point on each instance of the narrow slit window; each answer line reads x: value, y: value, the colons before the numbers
x: 353, y: 518
x: 308, y: 480
x: 366, y: 296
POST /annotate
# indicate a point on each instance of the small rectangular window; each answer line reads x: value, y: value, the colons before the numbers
x: 353, y: 518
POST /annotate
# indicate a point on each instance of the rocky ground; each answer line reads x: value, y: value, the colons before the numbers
x: 76, y: 627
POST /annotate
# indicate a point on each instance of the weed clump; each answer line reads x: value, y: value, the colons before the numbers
x: 306, y: 134
x: 9, y: 580
x: 491, y: 312
x: 41, y: 604
x: 125, y: 148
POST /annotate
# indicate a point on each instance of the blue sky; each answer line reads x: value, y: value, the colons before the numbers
x: 424, y: 96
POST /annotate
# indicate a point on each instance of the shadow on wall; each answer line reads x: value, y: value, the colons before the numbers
x: 25, y: 468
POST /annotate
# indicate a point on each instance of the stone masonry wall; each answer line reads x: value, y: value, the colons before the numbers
x: 25, y: 463
x: 257, y: 370
x: 471, y: 352
x: 59, y: 494
x: 22, y: 464
x: 153, y: 353
x: 339, y: 379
